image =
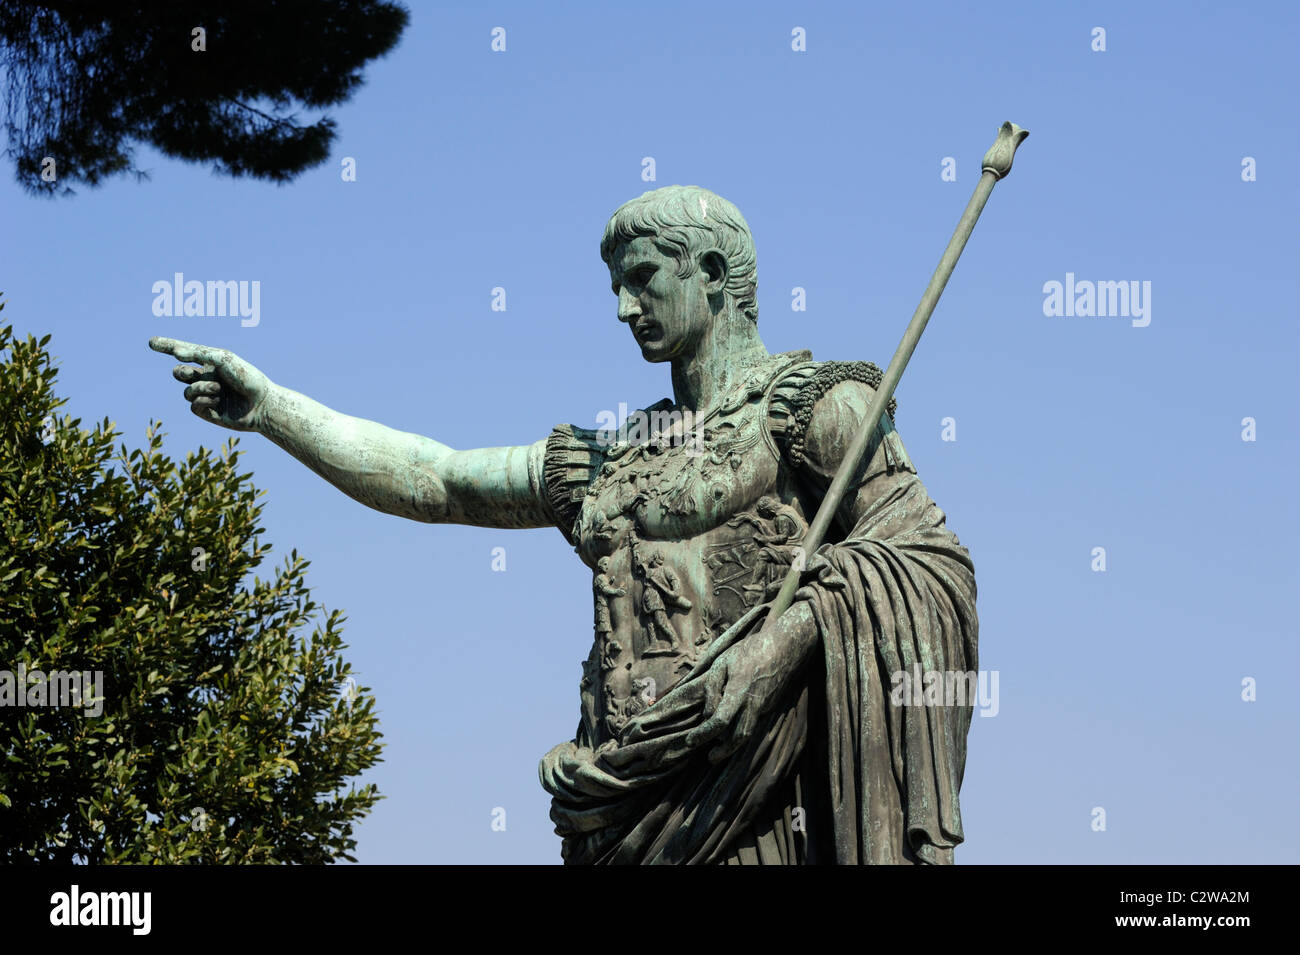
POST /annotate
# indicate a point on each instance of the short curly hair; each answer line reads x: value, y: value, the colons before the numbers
x: 685, y: 221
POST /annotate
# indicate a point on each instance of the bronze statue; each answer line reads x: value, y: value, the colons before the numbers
x: 712, y: 730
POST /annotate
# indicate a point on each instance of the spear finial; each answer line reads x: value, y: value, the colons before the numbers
x: 998, y: 159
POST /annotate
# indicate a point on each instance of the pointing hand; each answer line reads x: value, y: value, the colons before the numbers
x: 226, y: 390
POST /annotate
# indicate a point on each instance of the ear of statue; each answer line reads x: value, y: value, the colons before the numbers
x: 714, y: 265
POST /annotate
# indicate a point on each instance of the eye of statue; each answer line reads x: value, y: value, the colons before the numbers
x: 636, y: 278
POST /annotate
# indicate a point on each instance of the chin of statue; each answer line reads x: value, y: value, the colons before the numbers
x: 656, y: 351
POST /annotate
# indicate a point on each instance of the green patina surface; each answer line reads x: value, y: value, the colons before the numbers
x: 704, y: 735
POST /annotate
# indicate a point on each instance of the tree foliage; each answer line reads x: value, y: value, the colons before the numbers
x: 87, y: 79
x: 227, y: 733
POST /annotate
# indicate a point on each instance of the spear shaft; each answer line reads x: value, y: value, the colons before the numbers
x: 997, y: 163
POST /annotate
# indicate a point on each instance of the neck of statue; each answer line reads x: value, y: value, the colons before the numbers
x: 722, y: 358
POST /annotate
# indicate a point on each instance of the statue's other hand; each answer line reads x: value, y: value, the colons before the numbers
x: 225, y: 390
x: 736, y: 691
x: 751, y: 678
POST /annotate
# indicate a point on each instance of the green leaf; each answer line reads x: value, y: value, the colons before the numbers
x: 214, y: 695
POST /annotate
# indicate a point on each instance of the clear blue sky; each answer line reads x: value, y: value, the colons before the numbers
x: 478, y: 169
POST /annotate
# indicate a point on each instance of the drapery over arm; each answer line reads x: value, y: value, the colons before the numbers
x: 896, y: 594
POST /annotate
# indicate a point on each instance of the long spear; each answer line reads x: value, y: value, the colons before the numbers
x: 997, y: 163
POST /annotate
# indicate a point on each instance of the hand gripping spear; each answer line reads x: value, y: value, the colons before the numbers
x: 997, y: 163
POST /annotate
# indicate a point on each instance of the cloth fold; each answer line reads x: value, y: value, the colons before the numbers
x: 896, y: 592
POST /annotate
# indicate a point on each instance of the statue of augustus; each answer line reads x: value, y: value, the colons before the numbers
x: 707, y: 733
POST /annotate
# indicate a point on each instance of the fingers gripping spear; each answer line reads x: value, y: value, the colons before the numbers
x: 997, y: 164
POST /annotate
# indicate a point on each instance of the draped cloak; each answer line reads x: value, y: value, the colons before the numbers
x: 845, y: 769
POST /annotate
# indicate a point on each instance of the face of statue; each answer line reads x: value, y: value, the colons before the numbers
x: 668, y: 316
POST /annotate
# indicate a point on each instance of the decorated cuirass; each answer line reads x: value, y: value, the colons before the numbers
x: 689, y: 527
x: 686, y: 523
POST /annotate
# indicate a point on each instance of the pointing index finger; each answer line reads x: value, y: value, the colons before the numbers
x: 187, y: 351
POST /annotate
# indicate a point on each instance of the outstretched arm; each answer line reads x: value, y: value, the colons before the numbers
x: 392, y: 471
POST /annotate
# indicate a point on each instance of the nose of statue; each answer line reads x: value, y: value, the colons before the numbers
x: 628, y: 309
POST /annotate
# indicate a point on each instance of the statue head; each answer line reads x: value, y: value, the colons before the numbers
x: 768, y: 506
x: 603, y: 564
x: 678, y: 258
